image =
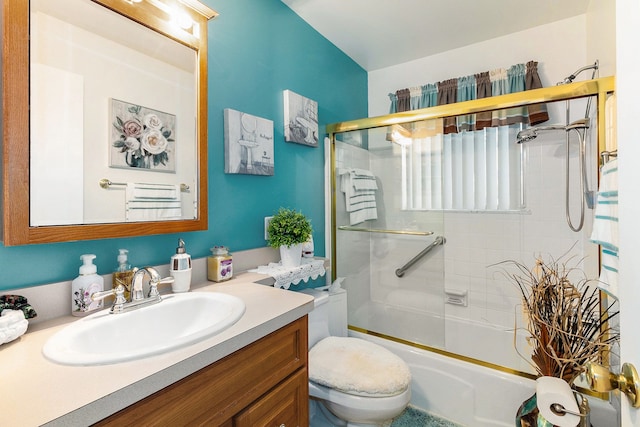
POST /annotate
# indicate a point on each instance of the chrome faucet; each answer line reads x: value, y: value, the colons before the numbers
x: 137, y: 298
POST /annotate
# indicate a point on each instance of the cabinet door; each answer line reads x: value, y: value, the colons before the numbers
x: 216, y: 393
x: 286, y: 405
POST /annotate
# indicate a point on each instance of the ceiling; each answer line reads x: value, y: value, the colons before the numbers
x: 380, y: 33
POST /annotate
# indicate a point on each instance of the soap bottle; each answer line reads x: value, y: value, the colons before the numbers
x: 180, y: 269
x: 219, y: 264
x: 83, y: 286
x: 124, y: 273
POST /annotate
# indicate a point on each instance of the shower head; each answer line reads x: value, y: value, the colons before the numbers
x: 530, y: 134
x: 526, y: 135
x: 573, y: 76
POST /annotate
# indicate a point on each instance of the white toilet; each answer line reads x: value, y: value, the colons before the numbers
x: 352, y: 382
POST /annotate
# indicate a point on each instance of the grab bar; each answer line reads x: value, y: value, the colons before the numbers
x: 440, y: 240
x: 377, y: 230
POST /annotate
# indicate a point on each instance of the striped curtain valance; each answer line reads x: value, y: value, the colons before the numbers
x: 501, y: 81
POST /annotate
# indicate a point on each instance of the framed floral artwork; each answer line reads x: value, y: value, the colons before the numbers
x: 300, y: 119
x: 142, y: 138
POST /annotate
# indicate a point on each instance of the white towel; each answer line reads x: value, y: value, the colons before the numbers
x: 363, y: 180
x: 152, y: 202
x: 12, y: 325
x: 605, y: 227
x: 154, y: 191
x: 608, y: 281
x: 605, y: 224
x: 359, y: 187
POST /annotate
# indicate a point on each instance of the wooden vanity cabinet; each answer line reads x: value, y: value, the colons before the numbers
x: 262, y: 384
x: 281, y: 407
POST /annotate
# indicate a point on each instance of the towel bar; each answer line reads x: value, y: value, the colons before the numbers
x: 605, y: 156
x: 105, y: 183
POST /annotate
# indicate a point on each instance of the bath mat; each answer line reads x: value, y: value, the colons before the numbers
x: 414, y: 417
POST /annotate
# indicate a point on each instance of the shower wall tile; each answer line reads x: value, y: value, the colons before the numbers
x: 473, y: 312
x: 502, y: 289
x: 504, y: 320
x: 477, y: 284
x: 501, y: 303
x: 455, y: 281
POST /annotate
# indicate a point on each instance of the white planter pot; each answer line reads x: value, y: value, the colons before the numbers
x: 291, y: 256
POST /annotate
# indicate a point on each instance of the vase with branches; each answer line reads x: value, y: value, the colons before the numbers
x: 568, y: 323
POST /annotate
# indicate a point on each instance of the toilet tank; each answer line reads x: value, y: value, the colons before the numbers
x: 329, y: 314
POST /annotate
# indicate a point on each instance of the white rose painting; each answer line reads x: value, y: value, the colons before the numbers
x: 142, y: 138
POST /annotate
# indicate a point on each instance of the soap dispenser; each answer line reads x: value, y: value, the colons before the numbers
x: 180, y: 269
x: 83, y: 286
x: 124, y: 273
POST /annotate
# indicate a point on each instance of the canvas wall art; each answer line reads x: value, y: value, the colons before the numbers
x: 142, y: 138
x: 248, y: 144
x: 300, y: 119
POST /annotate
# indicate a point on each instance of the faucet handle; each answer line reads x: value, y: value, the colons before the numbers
x: 97, y: 296
x: 153, y: 286
x: 119, y: 301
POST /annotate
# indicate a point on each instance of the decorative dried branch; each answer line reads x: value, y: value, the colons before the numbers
x: 566, y: 323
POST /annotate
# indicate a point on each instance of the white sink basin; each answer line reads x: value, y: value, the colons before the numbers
x: 177, y: 321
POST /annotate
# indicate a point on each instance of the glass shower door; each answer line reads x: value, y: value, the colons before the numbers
x: 388, y: 212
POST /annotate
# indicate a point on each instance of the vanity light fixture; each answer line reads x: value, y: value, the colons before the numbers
x: 182, y: 20
x: 178, y: 16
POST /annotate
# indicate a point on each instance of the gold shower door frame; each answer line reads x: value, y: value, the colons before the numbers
x: 600, y: 88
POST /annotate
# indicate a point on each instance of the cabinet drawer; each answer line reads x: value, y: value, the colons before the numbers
x: 284, y: 406
x: 213, y: 395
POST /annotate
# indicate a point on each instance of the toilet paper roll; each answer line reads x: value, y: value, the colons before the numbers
x: 550, y: 390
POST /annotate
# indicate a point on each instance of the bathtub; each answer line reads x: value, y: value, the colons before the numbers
x: 476, y: 340
x: 470, y: 394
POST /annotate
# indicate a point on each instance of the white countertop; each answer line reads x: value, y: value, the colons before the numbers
x: 35, y: 391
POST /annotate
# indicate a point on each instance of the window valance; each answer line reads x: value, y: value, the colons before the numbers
x: 500, y: 81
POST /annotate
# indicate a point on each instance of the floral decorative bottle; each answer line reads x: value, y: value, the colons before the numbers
x: 83, y: 286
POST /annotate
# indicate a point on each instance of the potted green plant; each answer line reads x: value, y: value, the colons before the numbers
x: 288, y: 230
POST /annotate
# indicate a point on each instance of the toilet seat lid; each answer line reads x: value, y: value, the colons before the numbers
x: 357, y: 366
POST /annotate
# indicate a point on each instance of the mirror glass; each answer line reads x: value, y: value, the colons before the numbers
x: 110, y: 100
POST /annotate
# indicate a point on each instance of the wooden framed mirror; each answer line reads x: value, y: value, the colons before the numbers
x: 75, y: 75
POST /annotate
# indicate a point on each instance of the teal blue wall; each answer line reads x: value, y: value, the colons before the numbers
x: 257, y: 49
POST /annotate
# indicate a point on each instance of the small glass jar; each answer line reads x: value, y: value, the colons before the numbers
x: 219, y: 264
